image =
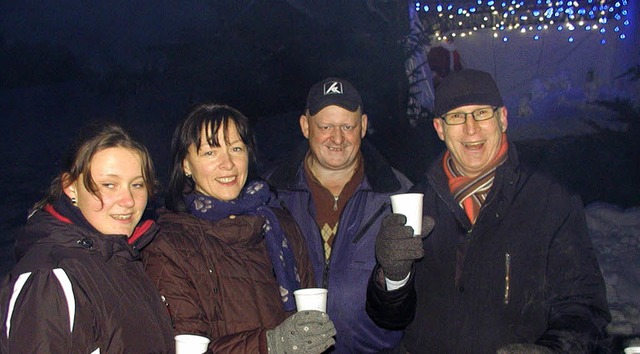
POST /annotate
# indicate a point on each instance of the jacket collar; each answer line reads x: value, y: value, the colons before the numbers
x: 503, y: 188
x: 378, y: 173
x: 244, y: 230
x: 507, y: 170
x: 63, y: 211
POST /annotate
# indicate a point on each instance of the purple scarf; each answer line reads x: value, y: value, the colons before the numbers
x: 253, y: 201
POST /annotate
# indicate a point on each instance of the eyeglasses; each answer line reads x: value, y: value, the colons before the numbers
x: 481, y: 114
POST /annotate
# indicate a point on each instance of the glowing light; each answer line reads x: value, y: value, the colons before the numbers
x: 463, y: 17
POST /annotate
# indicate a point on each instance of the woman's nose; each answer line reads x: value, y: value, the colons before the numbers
x: 226, y: 162
x: 126, y: 199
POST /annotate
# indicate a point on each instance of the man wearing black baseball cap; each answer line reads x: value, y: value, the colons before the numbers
x: 337, y: 187
x: 509, y: 267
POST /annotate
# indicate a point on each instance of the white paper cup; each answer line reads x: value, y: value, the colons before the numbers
x: 632, y: 350
x: 311, y: 299
x: 409, y: 205
x: 191, y: 344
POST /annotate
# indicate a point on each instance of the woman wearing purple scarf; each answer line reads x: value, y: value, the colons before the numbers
x: 225, y: 263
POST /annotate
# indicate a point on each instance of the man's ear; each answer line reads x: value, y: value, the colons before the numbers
x: 304, y: 125
x: 504, y: 122
x: 365, y: 122
x: 438, y: 125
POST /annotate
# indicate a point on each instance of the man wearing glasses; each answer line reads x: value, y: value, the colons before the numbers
x: 509, y: 266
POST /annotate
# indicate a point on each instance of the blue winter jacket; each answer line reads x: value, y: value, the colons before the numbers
x: 353, y: 253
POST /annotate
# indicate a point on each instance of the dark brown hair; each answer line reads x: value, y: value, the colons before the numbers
x: 93, y: 139
x: 189, y: 131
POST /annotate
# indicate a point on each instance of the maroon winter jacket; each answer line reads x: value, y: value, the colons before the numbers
x: 217, y: 280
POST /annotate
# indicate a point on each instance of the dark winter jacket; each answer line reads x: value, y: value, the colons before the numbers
x: 530, y: 272
x: 217, y: 278
x: 352, y: 254
x: 79, y: 291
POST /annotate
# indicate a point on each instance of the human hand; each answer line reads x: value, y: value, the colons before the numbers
x: 524, y: 348
x: 303, y: 332
x: 396, y: 248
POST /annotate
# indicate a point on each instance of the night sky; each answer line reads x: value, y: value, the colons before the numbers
x: 144, y: 64
x: 260, y: 56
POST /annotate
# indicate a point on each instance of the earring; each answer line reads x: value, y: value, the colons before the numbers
x: 188, y: 175
x: 74, y: 201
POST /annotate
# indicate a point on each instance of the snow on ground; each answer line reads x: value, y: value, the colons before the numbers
x: 615, y: 234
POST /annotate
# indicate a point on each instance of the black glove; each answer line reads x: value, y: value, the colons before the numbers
x: 396, y: 248
x: 524, y: 348
x: 303, y: 332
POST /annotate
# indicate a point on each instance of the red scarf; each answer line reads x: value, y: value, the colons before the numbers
x: 471, y: 192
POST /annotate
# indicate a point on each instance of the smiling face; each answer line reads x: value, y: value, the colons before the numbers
x: 219, y: 171
x: 121, y: 191
x: 335, y: 135
x: 473, y: 145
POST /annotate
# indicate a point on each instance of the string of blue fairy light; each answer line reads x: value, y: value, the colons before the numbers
x: 463, y: 18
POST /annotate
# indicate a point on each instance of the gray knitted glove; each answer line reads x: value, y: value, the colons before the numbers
x: 303, y: 332
x: 396, y: 248
x: 524, y: 348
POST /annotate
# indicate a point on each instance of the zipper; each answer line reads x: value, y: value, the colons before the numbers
x: 325, y: 274
x: 507, y: 275
x: 284, y: 207
x: 335, y: 202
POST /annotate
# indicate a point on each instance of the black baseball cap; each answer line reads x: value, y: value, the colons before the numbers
x: 333, y: 91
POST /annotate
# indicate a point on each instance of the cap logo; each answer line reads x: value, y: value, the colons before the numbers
x: 334, y: 87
